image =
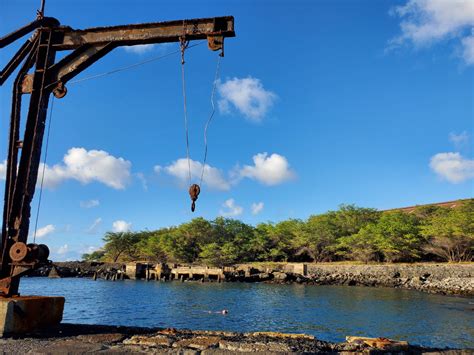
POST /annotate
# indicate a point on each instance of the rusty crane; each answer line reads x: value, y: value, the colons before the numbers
x: 47, y: 76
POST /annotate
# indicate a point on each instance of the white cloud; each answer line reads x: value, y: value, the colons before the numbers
x: 121, y: 226
x: 146, y: 48
x: 213, y: 177
x: 140, y: 48
x: 89, y: 203
x: 44, y: 231
x: 87, y: 166
x: 3, y: 170
x: 87, y: 249
x: 452, y: 167
x: 257, y: 208
x: 468, y: 49
x: 269, y: 170
x: 93, y: 227
x: 459, y: 139
x: 62, y: 249
x: 68, y: 252
x: 143, y: 181
x: 425, y: 22
x: 247, y: 95
x: 231, y: 209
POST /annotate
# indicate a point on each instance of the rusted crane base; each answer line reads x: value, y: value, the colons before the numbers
x: 20, y: 315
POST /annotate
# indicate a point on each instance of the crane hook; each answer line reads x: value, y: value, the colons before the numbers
x: 194, y: 191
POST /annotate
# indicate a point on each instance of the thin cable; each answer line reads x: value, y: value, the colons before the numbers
x: 183, y: 81
x: 216, y: 77
x: 40, y: 99
x: 133, y: 65
x: 44, y: 168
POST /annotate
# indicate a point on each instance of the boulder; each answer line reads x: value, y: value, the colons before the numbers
x: 280, y: 276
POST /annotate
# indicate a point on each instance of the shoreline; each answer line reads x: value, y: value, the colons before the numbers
x: 437, y: 278
x: 81, y: 338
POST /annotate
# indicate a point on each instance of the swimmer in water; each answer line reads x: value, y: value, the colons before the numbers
x: 224, y: 311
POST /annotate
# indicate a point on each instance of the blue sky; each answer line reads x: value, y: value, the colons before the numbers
x: 319, y: 103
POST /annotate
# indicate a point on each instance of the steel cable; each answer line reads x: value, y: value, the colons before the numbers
x: 117, y: 70
x: 184, y: 46
x: 44, y: 168
x: 216, y: 77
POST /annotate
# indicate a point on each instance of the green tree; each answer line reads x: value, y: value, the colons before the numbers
x: 211, y: 254
x: 283, y: 239
x: 450, y: 233
x: 150, y: 246
x: 350, y: 232
x: 361, y: 246
x: 393, y: 237
x: 184, y: 243
x: 94, y: 256
x: 398, y: 237
x: 350, y: 219
x: 231, y: 243
x: 260, y: 242
x: 120, y: 245
x: 335, y: 234
x: 320, y: 237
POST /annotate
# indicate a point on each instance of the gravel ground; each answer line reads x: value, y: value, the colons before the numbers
x: 79, y: 339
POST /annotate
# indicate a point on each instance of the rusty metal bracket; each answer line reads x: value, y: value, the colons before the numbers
x: 216, y: 43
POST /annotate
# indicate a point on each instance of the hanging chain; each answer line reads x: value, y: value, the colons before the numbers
x: 216, y: 78
x: 44, y: 168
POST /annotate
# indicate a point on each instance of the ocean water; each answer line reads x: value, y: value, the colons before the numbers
x: 327, y: 312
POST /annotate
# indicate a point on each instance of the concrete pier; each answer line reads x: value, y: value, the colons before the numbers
x: 198, y: 272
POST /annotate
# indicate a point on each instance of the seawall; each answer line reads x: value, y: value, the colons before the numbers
x: 434, y: 278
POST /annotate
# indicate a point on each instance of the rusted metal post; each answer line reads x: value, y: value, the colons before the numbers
x: 18, y: 206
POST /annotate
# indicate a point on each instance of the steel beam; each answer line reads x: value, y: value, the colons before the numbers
x: 24, y: 50
x: 158, y: 32
x: 70, y: 66
x: 12, y: 37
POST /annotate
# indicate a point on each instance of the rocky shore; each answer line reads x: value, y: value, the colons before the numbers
x: 441, y: 278
x: 455, y: 279
x: 78, y: 339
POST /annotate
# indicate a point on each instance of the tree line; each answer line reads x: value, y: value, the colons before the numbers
x: 428, y: 233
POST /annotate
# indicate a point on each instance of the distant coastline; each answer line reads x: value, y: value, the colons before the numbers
x: 440, y: 278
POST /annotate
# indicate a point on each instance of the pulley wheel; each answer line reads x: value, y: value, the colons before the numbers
x: 60, y: 91
x: 18, y: 251
x: 43, y: 252
x: 39, y: 252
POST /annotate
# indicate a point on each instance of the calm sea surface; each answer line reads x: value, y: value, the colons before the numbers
x: 328, y: 312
